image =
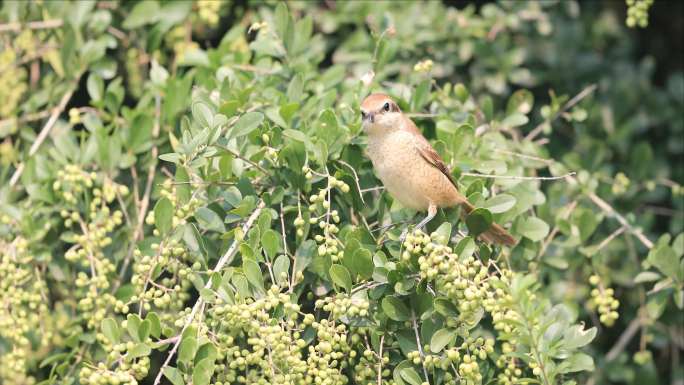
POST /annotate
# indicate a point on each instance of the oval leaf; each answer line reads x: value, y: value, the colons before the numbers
x: 341, y: 277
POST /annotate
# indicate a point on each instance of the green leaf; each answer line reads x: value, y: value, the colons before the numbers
x: 411, y: 376
x: 521, y: 102
x: 246, y: 124
x: 133, y: 326
x: 441, y: 338
x: 201, y: 374
x: 395, y: 309
x: 362, y: 263
x: 144, y: 330
x: 207, y: 219
x: 665, y: 260
x: 202, y: 114
x: 341, y: 277
x: 110, y: 328
x: 421, y: 95
x: 270, y: 241
x: 173, y: 375
x: 171, y: 157
x: 533, y: 228
x: 515, y: 120
x: 163, y: 215
x: 576, y: 363
x: 678, y: 245
x: 280, y: 266
x: 139, y: 350
x: 95, y: 86
x: 479, y: 221
x: 253, y: 273
x: 500, y: 203
x: 144, y: 12
x: 647, y: 276
x: 445, y: 307
x: 187, y: 350
x: 444, y: 231
x: 461, y: 92
x: 575, y: 336
x: 155, y: 324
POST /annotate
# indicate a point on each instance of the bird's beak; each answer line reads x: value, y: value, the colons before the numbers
x: 369, y: 117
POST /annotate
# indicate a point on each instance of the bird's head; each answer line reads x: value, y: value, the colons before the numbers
x: 379, y: 113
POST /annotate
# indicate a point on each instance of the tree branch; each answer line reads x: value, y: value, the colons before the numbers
x: 46, y: 129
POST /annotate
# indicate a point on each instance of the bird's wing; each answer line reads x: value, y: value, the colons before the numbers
x: 427, y: 152
x: 432, y: 157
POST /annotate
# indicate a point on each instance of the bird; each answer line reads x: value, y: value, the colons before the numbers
x: 409, y: 167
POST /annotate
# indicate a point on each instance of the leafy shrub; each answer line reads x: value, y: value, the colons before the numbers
x: 185, y: 196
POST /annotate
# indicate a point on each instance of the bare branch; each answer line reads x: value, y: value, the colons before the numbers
x: 568, y: 175
x: 356, y: 179
x: 40, y: 24
x: 45, y: 131
x: 420, y: 345
x: 610, y: 211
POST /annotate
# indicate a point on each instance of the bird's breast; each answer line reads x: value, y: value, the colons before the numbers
x: 400, y: 168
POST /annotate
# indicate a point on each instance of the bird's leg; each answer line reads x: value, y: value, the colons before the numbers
x: 432, y: 211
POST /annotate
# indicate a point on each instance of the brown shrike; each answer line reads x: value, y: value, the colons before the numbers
x: 408, y: 166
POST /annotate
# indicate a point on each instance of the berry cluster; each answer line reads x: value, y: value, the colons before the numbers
x: 464, y: 280
x: 126, y: 373
x: 255, y: 347
x: 81, y: 189
x: 603, y: 299
x: 208, y: 11
x: 12, y: 77
x: 24, y: 303
x: 170, y: 291
x: 181, y: 210
x: 342, y: 305
x: 637, y: 13
x: 423, y: 66
x: 328, y: 243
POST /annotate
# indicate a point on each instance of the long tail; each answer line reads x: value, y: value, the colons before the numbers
x: 495, y: 234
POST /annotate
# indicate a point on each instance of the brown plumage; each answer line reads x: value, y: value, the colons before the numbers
x: 411, y: 170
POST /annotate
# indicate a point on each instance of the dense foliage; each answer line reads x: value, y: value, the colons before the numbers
x: 185, y: 197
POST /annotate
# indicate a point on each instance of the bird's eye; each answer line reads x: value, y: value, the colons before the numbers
x: 386, y: 107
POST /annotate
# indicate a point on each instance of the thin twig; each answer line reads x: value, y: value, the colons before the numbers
x: 382, y: 341
x: 26, y: 118
x: 519, y: 177
x: 40, y: 24
x: 555, y: 230
x: 239, y: 156
x: 226, y: 258
x: 612, y: 236
x: 420, y: 346
x: 524, y: 156
x: 610, y: 211
x: 46, y: 130
x: 377, y: 188
x: 356, y: 179
x: 583, y: 94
